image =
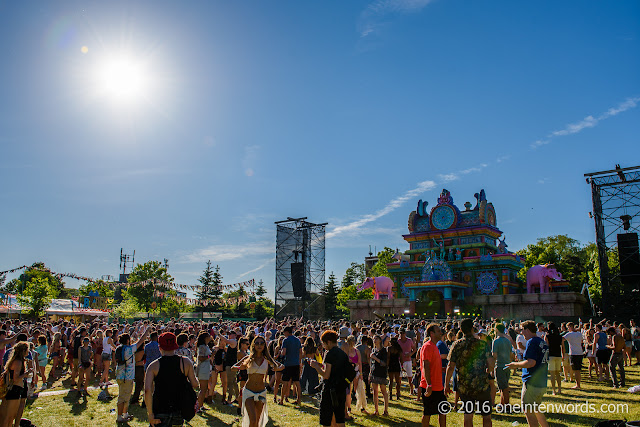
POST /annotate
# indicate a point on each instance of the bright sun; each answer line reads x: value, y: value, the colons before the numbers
x: 122, y: 79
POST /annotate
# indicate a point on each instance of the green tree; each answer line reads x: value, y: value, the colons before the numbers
x: 241, y: 309
x: 211, y: 281
x: 569, y: 256
x: 127, y: 309
x: 17, y: 286
x: 264, y: 309
x: 173, y: 308
x: 354, y: 275
x: 3, y: 278
x: 330, y: 293
x: 98, y: 286
x: 385, y: 257
x: 37, y: 296
x: 144, y: 294
x: 261, y: 291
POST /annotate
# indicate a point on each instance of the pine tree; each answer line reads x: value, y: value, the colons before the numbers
x: 211, y: 281
x: 261, y: 290
x: 330, y: 292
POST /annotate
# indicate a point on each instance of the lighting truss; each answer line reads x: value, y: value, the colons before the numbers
x: 616, y: 201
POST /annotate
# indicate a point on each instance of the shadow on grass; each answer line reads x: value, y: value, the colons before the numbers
x: 77, y: 401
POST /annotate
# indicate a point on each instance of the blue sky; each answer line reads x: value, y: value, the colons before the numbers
x: 244, y: 113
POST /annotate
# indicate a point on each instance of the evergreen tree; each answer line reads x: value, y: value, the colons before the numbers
x: 354, y: 275
x: 211, y: 281
x: 261, y: 291
x: 330, y: 292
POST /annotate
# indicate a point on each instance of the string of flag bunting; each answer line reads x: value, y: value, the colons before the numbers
x: 155, y: 282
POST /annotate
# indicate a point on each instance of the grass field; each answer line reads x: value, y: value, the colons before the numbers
x: 70, y: 409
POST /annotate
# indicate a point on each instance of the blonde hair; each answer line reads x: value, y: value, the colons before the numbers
x: 19, y: 352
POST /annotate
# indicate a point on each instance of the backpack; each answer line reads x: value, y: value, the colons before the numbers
x: 189, y: 397
x: 349, y: 372
x: 120, y: 360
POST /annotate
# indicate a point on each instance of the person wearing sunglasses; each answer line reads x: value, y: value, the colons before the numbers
x: 254, y: 393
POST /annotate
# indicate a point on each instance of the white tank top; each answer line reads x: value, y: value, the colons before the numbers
x: 106, y: 347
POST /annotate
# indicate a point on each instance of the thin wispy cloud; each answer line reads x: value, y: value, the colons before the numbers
x: 218, y: 253
x: 394, y: 204
x: 588, y: 122
x: 390, y: 207
x: 453, y: 176
x: 378, y: 14
x: 258, y: 268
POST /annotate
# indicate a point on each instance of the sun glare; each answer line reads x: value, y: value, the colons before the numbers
x: 122, y: 79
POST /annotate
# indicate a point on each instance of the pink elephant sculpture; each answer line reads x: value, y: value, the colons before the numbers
x: 381, y: 286
x: 541, y: 275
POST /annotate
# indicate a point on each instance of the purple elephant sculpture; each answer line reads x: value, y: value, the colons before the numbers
x: 541, y: 275
x: 381, y: 286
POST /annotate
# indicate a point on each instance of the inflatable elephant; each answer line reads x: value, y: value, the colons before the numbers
x: 541, y: 275
x: 381, y: 286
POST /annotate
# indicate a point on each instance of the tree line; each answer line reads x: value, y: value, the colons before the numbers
x: 35, y: 289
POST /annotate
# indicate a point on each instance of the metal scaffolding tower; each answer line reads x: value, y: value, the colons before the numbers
x: 616, y: 211
x: 300, y: 266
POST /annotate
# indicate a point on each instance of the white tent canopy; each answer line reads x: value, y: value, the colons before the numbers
x: 59, y: 307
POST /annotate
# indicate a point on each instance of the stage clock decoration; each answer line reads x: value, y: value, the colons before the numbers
x: 487, y: 282
x: 443, y: 217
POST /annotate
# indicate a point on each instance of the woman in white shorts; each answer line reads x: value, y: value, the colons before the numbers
x: 203, y: 369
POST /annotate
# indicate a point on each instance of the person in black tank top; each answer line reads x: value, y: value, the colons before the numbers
x: 160, y: 383
x: 231, y: 357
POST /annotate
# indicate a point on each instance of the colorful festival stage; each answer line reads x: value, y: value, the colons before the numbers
x: 457, y: 263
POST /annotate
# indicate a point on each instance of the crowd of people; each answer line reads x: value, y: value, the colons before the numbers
x: 343, y: 365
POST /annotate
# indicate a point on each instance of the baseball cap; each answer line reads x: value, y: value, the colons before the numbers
x: 167, y: 341
x: 344, y: 332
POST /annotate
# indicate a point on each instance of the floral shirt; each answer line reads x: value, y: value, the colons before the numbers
x: 128, y: 370
x: 470, y: 356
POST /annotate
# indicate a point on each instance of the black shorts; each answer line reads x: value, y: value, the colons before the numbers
x: 576, y: 362
x: 430, y: 404
x: 328, y: 409
x: 291, y: 373
x: 477, y: 404
x: 603, y: 356
x: 17, y: 393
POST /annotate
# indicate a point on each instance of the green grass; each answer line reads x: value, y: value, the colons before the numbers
x: 69, y: 409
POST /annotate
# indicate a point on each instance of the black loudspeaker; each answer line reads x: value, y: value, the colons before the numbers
x: 629, y: 259
x: 297, y: 280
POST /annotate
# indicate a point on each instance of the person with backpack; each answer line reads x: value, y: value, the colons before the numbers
x: 334, y: 373
x: 169, y: 383
x: 126, y: 372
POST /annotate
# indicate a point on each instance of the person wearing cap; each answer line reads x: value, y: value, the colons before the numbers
x: 343, y: 333
x: 408, y: 348
x: 160, y: 383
